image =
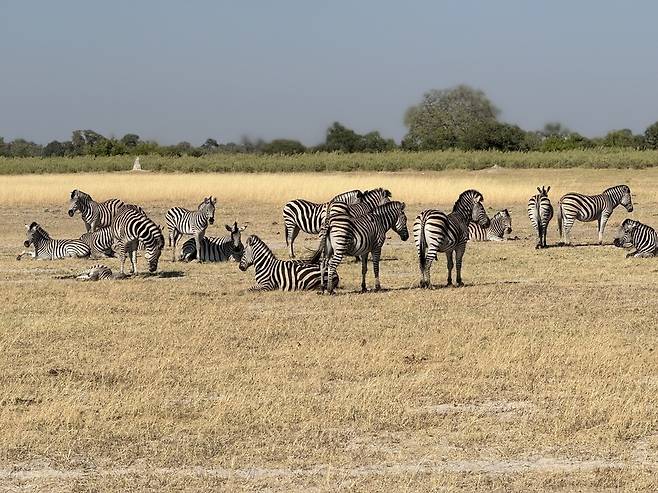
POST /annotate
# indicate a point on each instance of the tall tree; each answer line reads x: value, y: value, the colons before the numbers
x: 651, y: 136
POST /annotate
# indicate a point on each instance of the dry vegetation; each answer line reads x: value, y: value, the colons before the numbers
x: 541, y: 374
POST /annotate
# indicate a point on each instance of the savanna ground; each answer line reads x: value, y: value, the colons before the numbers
x: 540, y: 374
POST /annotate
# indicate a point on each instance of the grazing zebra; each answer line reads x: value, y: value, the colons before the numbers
x: 642, y: 237
x: 359, y: 236
x: 181, y: 221
x: 303, y: 215
x: 97, y: 272
x: 94, y: 214
x: 45, y: 248
x: 587, y: 208
x: 130, y: 229
x: 436, y: 231
x: 540, y: 212
x: 99, y: 242
x: 501, y: 224
x: 272, y: 273
x: 217, y: 249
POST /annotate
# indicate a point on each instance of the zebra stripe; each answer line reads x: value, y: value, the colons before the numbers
x: 181, y: 221
x: 303, y: 215
x: 272, y: 273
x: 641, y: 236
x: 359, y: 236
x: 501, y: 224
x: 436, y: 231
x: 46, y: 248
x: 586, y: 208
x: 99, y: 242
x: 94, y: 214
x: 97, y: 272
x: 217, y: 249
x: 540, y: 212
x: 132, y: 229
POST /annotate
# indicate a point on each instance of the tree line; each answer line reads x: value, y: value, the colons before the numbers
x: 456, y: 118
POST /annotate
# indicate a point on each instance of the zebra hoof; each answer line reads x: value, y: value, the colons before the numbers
x: 538, y: 246
x: 364, y: 290
x: 459, y: 285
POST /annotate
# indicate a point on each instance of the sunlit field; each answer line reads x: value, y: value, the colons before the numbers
x: 540, y: 374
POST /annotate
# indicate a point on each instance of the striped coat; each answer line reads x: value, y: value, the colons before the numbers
x: 501, y: 224
x: 540, y: 213
x: 95, y: 215
x: 130, y: 229
x: 640, y: 236
x: 46, y: 248
x: 217, y: 249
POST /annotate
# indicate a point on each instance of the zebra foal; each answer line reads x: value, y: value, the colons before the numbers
x: 182, y: 221
x: 641, y: 236
x: 436, y: 231
x: 272, y: 273
x: 586, y: 208
x: 540, y: 213
x: 46, y: 248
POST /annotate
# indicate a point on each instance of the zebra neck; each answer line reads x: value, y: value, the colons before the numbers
x: 264, y: 261
x: 496, y: 229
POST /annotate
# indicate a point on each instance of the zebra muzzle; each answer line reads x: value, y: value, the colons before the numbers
x: 26, y: 244
x: 211, y: 220
x: 71, y: 212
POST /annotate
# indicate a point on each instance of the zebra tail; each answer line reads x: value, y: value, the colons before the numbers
x: 559, y: 219
x: 285, y: 231
x: 317, y: 255
x: 422, y: 245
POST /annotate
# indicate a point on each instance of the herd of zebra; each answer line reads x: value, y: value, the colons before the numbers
x: 351, y: 224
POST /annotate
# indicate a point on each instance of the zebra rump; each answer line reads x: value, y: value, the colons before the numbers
x: 99, y: 242
x: 636, y: 234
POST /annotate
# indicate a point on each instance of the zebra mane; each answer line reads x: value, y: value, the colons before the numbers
x: 380, y: 190
x: 394, y: 205
x: 42, y: 232
x: 624, y: 188
x: 466, y: 200
x: 80, y: 195
x: 254, y: 240
x: 629, y: 223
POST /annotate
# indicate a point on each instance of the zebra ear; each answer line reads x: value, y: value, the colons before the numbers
x: 214, y: 201
x: 548, y: 189
x: 540, y: 190
x: 387, y: 193
x: 403, y: 206
x: 228, y: 228
x: 73, y: 193
x: 27, y: 227
x: 359, y: 194
x: 243, y: 227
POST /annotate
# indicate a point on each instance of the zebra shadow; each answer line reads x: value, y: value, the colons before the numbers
x: 578, y: 245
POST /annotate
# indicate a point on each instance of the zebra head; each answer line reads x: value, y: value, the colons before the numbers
x: 207, y: 207
x: 34, y: 234
x: 505, y: 220
x: 247, y: 258
x: 76, y: 200
x: 469, y: 205
x: 376, y: 197
x: 400, y: 225
x: 154, y: 248
x: 236, y: 238
x: 626, y: 199
x: 624, y: 235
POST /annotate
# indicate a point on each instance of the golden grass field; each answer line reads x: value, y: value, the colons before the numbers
x: 540, y: 375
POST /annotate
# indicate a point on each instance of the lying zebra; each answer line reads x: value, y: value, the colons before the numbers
x: 216, y: 249
x: 635, y: 234
x: 99, y: 242
x: 46, y: 248
x: 96, y: 273
x: 273, y: 274
x: 501, y: 224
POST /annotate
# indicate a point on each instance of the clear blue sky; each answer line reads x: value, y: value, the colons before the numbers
x: 173, y: 70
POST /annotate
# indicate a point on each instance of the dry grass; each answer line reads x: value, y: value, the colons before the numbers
x: 541, y: 374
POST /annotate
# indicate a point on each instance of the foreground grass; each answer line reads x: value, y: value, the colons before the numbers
x: 314, y: 162
x: 539, y: 375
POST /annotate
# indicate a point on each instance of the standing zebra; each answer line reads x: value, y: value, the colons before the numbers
x: 45, y: 248
x: 181, y: 221
x: 99, y: 242
x: 359, y: 236
x: 540, y: 212
x: 635, y: 234
x: 94, y: 214
x: 96, y: 273
x: 303, y: 215
x: 587, y: 208
x: 436, y: 231
x: 217, y: 249
x: 272, y: 273
x: 130, y: 229
x: 501, y: 224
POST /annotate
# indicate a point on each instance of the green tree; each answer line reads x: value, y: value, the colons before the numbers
x: 343, y: 139
x: 374, y: 142
x: 24, y: 148
x: 623, y: 138
x: 442, y: 118
x: 210, y: 145
x: 555, y: 129
x: 486, y: 135
x: 284, y: 146
x: 130, y: 141
x: 53, y: 148
x: 3, y: 147
x: 651, y: 136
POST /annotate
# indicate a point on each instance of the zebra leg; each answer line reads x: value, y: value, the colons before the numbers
x: 25, y: 252
x: 133, y: 259
x: 603, y: 220
x: 173, y: 238
x: 459, y: 255
x: 199, y: 245
x: 376, y: 255
x: 364, y: 271
x: 450, y: 264
x: 567, y: 224
x: 331, y: 271
x: 291, y: 240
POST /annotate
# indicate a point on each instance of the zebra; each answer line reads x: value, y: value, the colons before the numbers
x: 217, y: 249
x: 540, y: 212
x: 181, y: 221
x: 99, y: 242
x: 272, y: 273
x: 359, y: 236
x: 436, y: 231
x: 130, y: 229
x: 96, y: 273
x: 94, y: 214
x: 641, y: 236
x: 501, y: 224
x: 46, y: 248
x: 303, y: 215
x: 587, y: 208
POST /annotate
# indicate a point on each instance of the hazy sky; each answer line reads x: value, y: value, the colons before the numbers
x: 173, y: 70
